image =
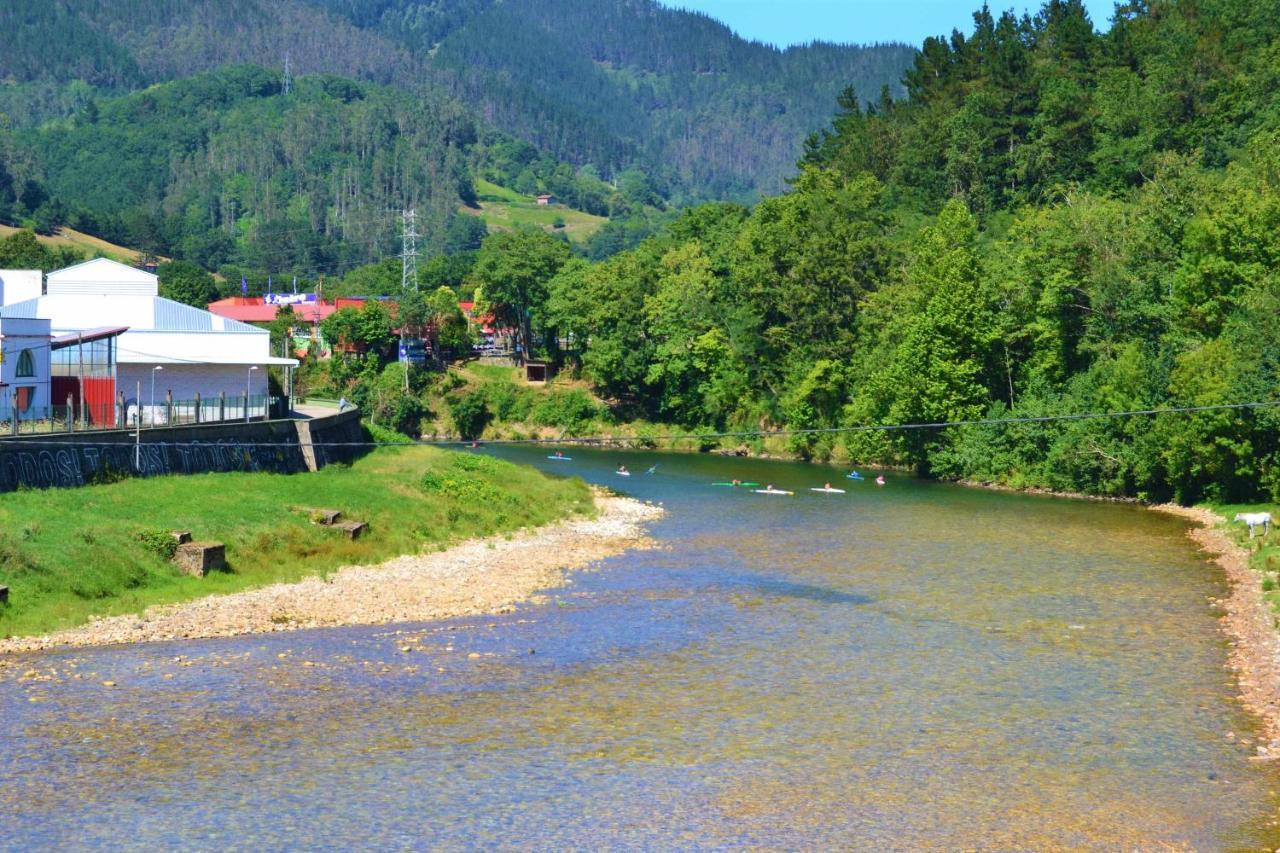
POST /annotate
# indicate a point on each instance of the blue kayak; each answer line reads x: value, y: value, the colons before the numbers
x: 853, y: 476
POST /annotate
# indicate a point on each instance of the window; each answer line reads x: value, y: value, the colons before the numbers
x: 26, y: 365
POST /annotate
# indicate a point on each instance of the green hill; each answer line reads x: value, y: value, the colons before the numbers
x: 504, y: 209
x: 615, y: 84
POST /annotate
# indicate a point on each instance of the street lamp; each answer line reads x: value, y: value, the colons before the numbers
x: 153, y: 393
x: 248, y: 381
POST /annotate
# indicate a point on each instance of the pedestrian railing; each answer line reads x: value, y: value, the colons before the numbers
x: 128, y: 414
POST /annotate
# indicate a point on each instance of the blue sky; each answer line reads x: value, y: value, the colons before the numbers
x: 784, y: 22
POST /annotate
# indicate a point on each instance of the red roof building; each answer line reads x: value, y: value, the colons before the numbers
x: 251, y: 309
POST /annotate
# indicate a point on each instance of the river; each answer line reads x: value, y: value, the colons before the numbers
x: 899, y: 667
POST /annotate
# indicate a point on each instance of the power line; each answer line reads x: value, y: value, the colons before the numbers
x: 1175, y: 410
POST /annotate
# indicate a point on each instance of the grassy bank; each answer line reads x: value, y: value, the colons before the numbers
x: 1264, y: 552
x: 69, y: 554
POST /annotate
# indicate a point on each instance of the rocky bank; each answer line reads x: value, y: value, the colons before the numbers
x: 488, y: 575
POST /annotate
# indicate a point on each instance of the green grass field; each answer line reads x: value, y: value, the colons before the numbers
x: 504, y: 210
x: 68, y: 554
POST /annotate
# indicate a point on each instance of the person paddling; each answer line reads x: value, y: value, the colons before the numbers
x: 880, y: 480
x: 622, y: 469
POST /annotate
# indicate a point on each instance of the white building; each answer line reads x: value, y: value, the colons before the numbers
x: 20, y: 285
x: 24, y: 368
x: 158, y: 343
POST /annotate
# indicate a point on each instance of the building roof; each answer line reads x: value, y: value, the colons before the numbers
x: 86, y: 336
x: 76, y: 312
x: 249, y: 309
x: 102, y: 275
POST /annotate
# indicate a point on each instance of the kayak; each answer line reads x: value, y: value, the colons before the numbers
x: 624, y: 473
x: 829, y: 491
x: 735, y: 484
x: 854, y: 476
x: 560, y: 458
x: 773, y: 492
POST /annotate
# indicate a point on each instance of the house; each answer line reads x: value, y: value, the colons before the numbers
x: 113, y: 313
x: 24, y: 367
x: 545, y: 199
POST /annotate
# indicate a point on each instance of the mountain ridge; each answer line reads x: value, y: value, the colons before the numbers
x: 611, y: 83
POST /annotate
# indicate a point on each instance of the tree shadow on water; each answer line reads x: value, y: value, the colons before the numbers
x: 803, y: 591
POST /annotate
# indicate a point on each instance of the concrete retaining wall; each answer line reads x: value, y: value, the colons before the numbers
x: 73, y: 459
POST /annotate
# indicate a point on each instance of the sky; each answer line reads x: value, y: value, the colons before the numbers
x: 786, y: 22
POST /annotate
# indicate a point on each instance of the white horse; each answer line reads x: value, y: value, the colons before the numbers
x: 1256, y: 519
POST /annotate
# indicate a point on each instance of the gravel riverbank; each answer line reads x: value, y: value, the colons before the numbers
x: 1247, y: 621
x: 479, y: 576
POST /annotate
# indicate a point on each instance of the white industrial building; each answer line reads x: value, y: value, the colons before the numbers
x: 150, y: 342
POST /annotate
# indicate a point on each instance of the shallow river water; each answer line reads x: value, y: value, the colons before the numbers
x: 904, y: 667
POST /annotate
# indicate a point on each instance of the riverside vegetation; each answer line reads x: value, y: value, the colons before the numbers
x: 1053, y: 221
x: 1049, y: 220
x: 67, y: 554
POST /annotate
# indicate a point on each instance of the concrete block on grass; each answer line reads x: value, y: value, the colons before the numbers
x: 353, y: 529
x: 4, y: 595
x: 327, y: 517
x: 182, y: 537
x: 199, y: 558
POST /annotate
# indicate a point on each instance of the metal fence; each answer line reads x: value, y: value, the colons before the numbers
x: 85, y: 418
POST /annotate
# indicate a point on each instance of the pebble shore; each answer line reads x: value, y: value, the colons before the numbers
x: 1248, y: 622
x: 480, y: 576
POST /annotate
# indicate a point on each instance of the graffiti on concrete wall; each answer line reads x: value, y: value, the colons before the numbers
x: 65, y: 461
x: 47, y: 466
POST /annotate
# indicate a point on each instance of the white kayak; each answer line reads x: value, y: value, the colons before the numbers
x: 772, y: 492
x: 624, y: 473
x: 560, y: 458
x: 829, y: 491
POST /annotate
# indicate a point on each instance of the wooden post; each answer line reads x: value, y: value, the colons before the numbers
x: 197, y: 407
x: 222, y: 405
x: 71, y: 415
x: 168, y: 407
x: 120, y: 424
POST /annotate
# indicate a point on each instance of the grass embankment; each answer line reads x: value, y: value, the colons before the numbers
x: 503, y: 210
x: 69, y: 554
x: 88, y: 244
x: 1264, y: 551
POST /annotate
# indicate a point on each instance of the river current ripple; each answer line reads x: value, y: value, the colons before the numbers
x: 903, y: 667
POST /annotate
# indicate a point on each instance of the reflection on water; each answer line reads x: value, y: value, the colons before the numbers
x: 905, y: 667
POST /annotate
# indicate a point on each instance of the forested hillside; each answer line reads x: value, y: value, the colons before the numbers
x: 614, y: 84
x: 1055, y: 222
x: 228, y: 171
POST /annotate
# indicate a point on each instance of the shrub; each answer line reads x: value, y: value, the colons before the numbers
x: 567, y: 409
x: 468, y: 491
x: 158, y: 542
x: 478, y: 464
x: 469, y: 414
x: 509, y: 402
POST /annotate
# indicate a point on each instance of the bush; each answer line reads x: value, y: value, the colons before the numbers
x: 479, y: 464
x: 509, y: 402
x: 158, y: 542
x: 468, y: 491
x: 568, y: 409
x: 469, y: 414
